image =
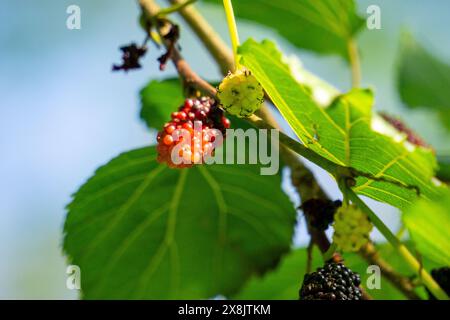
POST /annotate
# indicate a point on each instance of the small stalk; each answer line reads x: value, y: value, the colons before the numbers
x: 328, y: 255
x: 355, y: 63
x: 175, y: 8
x: 232, y: 28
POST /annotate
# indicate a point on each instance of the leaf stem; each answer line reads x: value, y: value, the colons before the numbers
x: 176, y: 7
x: 309, y: 256
x: 354, y: 62
x: 402, y: 250
x: 328, y: 255
x: 232, y: 28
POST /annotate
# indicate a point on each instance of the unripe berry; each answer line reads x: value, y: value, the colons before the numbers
x: 351, y: 228
x: 240, y: 94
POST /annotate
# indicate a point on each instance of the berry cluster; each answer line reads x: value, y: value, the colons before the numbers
x: 189, y: 137
x: 442, y: 277
x: 351, y: 228
x: 240, y: 94
x: 320, y: 212
x: 332, y: 282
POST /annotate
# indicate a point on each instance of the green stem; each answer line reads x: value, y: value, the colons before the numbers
x: 300, y: 149
x: 401, y: 231
x: 354, y: 63
x: 232, y: 28
x: 330, y: 252
x: 412, y: 262
x: 175, y: 8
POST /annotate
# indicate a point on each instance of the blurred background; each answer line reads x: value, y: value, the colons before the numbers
x: 63, y: 112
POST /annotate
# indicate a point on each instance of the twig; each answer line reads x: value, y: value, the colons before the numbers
x: 402, y: 283
x: 189, y: 77
x: 212, y: 41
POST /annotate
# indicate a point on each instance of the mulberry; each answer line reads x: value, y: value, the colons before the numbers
x: 240, y: 94
x: 320, y: 212
x: 332, y: 282
x: 189, y: 137
x: 351, y: 228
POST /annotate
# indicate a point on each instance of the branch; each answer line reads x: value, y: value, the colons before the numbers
x: 212, y: 41
x: 402, y: 283
x: 188, y: 76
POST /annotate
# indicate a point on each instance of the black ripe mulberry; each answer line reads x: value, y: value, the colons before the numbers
x: 320, y: 212
x: 442, y: 277
x: 332, y: 282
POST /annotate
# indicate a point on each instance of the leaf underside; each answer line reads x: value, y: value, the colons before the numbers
x: 342, y: 132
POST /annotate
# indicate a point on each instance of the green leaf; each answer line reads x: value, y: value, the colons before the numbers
x: 286, y: 280
x: 428, y: 223
x: 321, y: 26
x: 343, y: 133
x: 139, y: 230
x: 158, y: 100
x: 423, y: 80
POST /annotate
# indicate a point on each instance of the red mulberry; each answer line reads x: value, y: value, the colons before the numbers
x: 189, y: 137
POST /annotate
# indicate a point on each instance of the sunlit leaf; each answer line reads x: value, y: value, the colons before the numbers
x: 345, y: 133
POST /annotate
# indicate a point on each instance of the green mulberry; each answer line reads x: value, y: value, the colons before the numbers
x: 352, y: 228
x: 240, y: 94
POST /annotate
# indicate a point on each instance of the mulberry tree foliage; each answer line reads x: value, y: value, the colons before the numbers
x: 144, y: 227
